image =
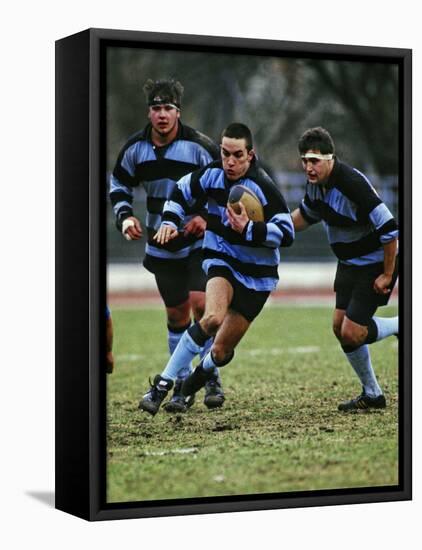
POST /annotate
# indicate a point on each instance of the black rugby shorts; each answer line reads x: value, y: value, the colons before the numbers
x: 354, y: 290
x: 176, y: 278
x: 247, y: 302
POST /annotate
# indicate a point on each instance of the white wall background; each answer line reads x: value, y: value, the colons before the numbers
x: 27, y: 37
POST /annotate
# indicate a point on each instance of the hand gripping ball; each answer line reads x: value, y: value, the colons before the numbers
x: 253, y: 206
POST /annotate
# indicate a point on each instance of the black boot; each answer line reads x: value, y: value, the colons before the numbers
x: 214, y: 394
x: 197, y: 380
x: 363, y: 402
x: 152, y: 400
x: 178, y: 402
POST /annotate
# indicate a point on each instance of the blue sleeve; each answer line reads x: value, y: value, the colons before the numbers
x: 383, y: 221
x: 121, y: 184
x: 277, y: 232
x: 188, y: 191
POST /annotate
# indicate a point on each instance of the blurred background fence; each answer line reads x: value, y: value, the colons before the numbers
x: 309, y: 246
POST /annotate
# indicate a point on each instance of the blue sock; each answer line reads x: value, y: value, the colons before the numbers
x: 182, y: 356
x: 387, y: 326
x: 173, y: 338
x: 206, y: 348
x: 361, y: 363
x: 208, y: 363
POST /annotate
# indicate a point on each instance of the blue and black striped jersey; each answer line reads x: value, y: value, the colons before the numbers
x: 158, y: 169
x: 358, y: 223
x: 253, y: 256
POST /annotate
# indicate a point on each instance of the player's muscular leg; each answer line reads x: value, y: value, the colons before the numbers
x: 219, y: 294
x: 229, y: 335
x: 178, y: 316
x: 338, y: 318
x: 197, y: 302
x: 353, y: 334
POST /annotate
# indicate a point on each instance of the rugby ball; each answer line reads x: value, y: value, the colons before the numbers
x: 253, y: 206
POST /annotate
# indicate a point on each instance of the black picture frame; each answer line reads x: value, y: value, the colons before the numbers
x: 81, y: 278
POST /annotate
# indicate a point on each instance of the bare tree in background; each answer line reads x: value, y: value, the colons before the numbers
x: 277, y: 97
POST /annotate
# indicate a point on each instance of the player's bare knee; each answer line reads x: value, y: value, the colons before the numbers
x: 178, y: 316
x: 337, y: 330
x: 197, y: 301
x: 211, y: 322
x: 352, y: 337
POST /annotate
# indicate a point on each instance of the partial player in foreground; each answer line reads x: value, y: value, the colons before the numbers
x: 241, y: 259
x: 363, y: 235
x: 159, y: 155
x: 109, y: 342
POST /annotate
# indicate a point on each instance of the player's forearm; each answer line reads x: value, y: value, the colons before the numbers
x: 176, y: 207
x: 121, y: 197
x: 390, y: 251
x: 299, y: 221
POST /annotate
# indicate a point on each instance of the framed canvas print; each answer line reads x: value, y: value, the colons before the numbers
x: 233, y: 306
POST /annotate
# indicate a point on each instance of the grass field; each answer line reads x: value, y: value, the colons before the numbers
x: 279, y: 429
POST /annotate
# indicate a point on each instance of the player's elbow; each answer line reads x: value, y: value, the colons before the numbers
x: 287, y: 240
x: 280, y: 234
x: 288, y: 236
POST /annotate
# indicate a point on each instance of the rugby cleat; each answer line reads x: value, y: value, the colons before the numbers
x: 363, y: 402
x: 158, y: 391
x: 214, y: 394
x: 178, y: 402
x: 197, y: 380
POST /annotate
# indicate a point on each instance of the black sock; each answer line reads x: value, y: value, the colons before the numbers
x: 198, y: 335
x: 372, y: 332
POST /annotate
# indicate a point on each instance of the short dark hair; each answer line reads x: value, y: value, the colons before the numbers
x: 237, y: 130
x: 161, y: 92
x: 317, y: 139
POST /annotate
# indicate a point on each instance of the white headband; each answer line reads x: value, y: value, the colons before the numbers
x: 173, y: 106
x: 159, y: 103
x: 318, y: 156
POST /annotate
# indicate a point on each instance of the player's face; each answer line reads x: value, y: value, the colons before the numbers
x: 163, y: 119
x: 317, y: 170
x: 236, y: 158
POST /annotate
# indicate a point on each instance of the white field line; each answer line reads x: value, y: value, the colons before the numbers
x: 304, y: 349
x: 219, y: 478
x: 254, y: 351
x: 278, y: 351
x: 172, y: 452
x: 130, y: 357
